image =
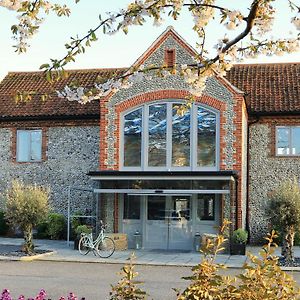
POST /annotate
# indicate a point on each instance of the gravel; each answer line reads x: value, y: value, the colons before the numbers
x: 16, y: 251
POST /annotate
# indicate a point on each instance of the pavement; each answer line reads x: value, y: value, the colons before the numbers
x: 62, y: 252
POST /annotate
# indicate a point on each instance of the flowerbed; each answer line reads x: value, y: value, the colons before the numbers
x: 41, y: 296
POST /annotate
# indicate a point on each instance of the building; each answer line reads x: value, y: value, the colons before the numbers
x: 166, y: 175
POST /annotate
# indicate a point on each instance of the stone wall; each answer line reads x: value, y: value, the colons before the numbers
x: 71, y: 153
x: 266, y: 172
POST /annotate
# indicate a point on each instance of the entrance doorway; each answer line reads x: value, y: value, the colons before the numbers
x: 168, y: 222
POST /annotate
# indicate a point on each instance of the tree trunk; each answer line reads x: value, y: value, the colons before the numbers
x: 28, y: 244
x: 288, y: 244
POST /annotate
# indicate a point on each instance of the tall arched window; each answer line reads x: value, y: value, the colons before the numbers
x: 156, y: 137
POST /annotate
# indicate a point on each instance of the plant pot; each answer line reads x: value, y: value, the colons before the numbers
x: 237, y: 249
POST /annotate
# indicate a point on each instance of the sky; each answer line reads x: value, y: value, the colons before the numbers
x: 119, y: 50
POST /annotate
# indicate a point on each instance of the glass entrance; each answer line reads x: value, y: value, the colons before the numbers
x: 168, y: 222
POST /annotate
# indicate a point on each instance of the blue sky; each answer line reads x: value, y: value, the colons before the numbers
x: 110, y: 51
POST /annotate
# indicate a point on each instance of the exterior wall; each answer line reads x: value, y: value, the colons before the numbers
x: 266, y: 171
x: 72, y: 152
x: 218, y: 94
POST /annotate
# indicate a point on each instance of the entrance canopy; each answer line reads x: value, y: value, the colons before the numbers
x: 163, y: 183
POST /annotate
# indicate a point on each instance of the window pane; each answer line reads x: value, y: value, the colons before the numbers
x: 180, y: 138
x: 157, y: 135
x: 133, y: 138
x: 181, y: 208
x: 23, y: 145
x: 295, y: 140
x: 132, y: 207
x: 206, y: 138
x: 206, y: 207
x: 156, y: 208
x: 283, y: 141
x: 36, y: 145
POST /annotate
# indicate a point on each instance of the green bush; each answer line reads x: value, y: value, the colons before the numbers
x: 42, y: 230
x: 82, y: 229
x: 75, y: 222
x: 3, y: 224
x: 56, y: 226
x: 240, y: 236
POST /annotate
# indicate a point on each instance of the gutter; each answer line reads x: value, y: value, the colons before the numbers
x: 48, y: 117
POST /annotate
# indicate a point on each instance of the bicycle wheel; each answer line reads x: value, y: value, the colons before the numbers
x: 106, y: 247
x: 83, y: 245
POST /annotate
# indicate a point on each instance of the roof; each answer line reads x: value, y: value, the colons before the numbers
x: 15, y: 82
x: 269, y: 88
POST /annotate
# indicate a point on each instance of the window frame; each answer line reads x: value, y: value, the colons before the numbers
x: 289, y: 140
x: 193, y: 138
x: 18, y: 132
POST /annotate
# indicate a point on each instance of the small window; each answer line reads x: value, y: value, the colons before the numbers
x: 288, y: 140
x: 29, y: 145
x: 170, y: 57
x: 206, y: 208
x: 132, y: 207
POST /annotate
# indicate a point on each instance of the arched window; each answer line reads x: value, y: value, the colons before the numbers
x: 156, y: 137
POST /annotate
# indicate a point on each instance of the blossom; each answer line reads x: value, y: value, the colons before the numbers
x: 296, y: 22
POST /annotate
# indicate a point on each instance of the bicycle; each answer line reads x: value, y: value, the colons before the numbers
x: 103, y: 245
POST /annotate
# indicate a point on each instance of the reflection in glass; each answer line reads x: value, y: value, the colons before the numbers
x: 29, y: 145
x: 133, y: 138
x: 295, y: 141
x: 206, y: 149
x: 156, y: 208
x: 181, y: 208
x: 206, y: 207
x: 180, y: 138
x: 36, y: 145
x: 157, y: 135
x: 132, y: 207
x: 283, y: 141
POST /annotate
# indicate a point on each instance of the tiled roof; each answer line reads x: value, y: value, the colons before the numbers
x: 268, y: 88
x: 35, y: 81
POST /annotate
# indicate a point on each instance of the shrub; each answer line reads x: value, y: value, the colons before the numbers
x: 42, y: 230
x: 75, y: 222
x: 284, y: 211
x: 3, y: 224
x: 26, y: 206
x: 56, y: 226
x: 127, y: 288
x: 82, y: 229
x: 261, y: 278
x: 240, y: 236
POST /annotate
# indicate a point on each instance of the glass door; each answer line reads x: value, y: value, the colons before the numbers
x: 180, y: 223
x: 156, y: 231
x: 168, y: 222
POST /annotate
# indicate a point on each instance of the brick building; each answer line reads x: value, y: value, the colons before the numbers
x: 166, y: 175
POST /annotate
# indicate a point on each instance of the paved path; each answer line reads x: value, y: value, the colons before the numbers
x: 65, y: 253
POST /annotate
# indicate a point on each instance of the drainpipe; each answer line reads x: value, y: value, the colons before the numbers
x: 237, y: 207
x: 248, y: 175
